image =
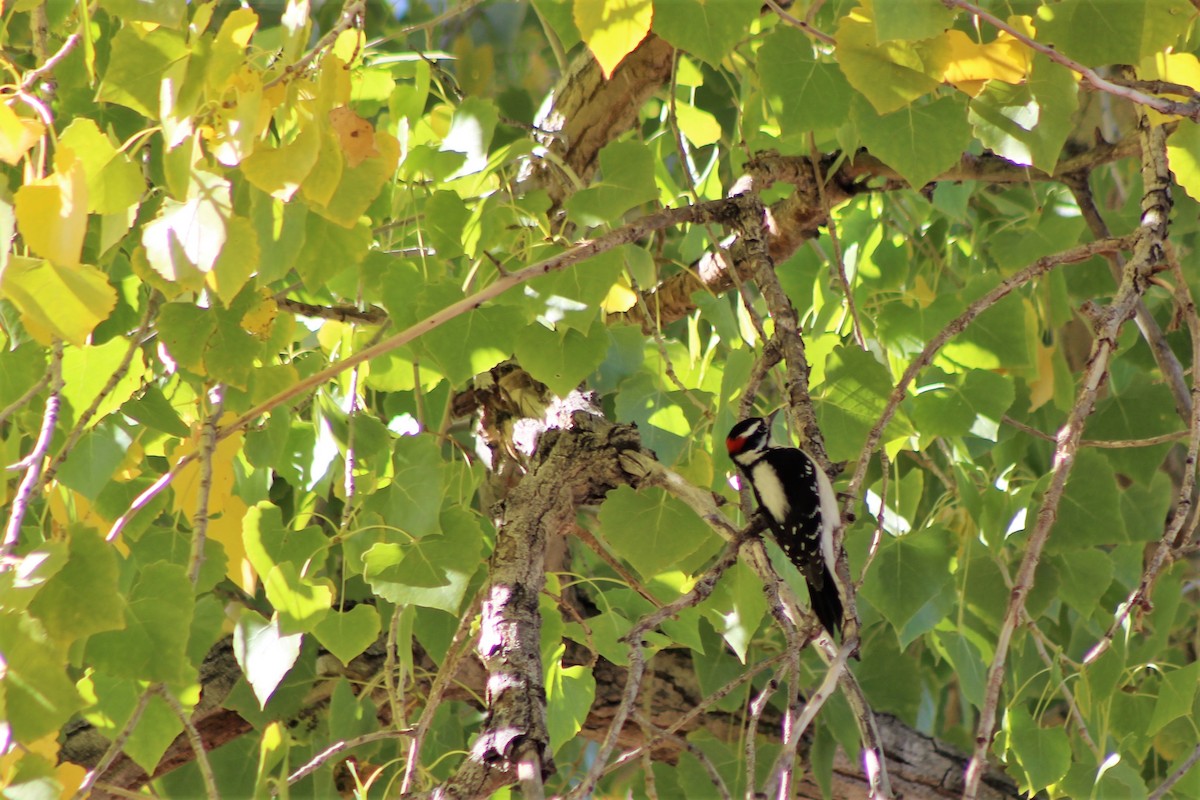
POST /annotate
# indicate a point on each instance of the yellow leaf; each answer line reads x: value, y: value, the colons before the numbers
x: 969, y: 64
x: 17, y: 134
x: 279, y: 171
x: 1041, y: 388
x: 187, y: 482
x: 619, y: 299
x: 613, y: 28
x: 68, y: 302
x: 226, y: 528
x: 1181, y: 68
x: 52, y: 212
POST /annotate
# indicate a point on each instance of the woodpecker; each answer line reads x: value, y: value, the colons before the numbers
x: 800, y: 506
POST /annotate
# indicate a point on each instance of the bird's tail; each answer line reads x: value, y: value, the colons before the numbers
x: 826, y: 603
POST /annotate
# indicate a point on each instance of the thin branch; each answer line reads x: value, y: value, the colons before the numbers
x: 50, y: 63
x: 1173, y: 536
x: 637, y: 663
x: 803, y: 25
x: 369, y: 316
x: 115, y: 746
x: 832, y: 676
x: 84, y: 419
x: 712, y: 211
x: 957, y: 326
x: 1110, y: 444
x: 337, y: 748
x: 352, y: 12
x: 1164, y: 356
x: 757, y: 706
x: 195, y: 740
x: 25, y: 397
x: 839, y: 262
x: 714, y: 775
x: 207, y: 447
x: 460, y: 643
x: 1160, y: 104
x: 1161, y: 790
x: 1148, y: 252
x: 33, y: 462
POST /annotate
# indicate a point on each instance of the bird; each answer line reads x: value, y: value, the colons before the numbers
x: 800, y: 507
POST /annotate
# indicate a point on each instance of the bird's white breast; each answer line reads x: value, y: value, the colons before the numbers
x: 770, y: 490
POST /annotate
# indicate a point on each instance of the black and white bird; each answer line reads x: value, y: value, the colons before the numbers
x: 800, y: 506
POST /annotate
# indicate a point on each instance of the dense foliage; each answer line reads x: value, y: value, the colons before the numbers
x: 326, y: 329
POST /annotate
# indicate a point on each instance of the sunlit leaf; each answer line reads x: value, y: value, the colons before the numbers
x: 612, y: 30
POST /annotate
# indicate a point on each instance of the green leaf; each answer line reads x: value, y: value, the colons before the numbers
x: 969, y: 670
x: 168, y: 13
x: 1027, y: 123
x: 299, y: 602
x: 83, y: 597
x: 1043, y: 753
x: 471, y: 130
x: 68, y: 302
x: 268, y: 542
x: 560, y: 359
x: 264, y: 653
x: 154, y: 410
x: 920, y: 142
x: 279, y: 171
x: 433, y: 572
x: 707, y: 29
x: 114, y: 182
x: 136, y: 67
x: 153, y: 645
x: 239, y: 259
x: 572, y: 297
x: 91, y: 463
x: 413, y: 502
x: 912, y: 19
x: 1083, y: 578
x: 91, y: 367
x: 909, y: 573
x: 810, y: 94
x: 1099, y: 32
x: 626, y: 181
x: 736, y: 608
x: 889, y: 74
x: 1176, y: 694
x: 1089, y: 514
x: 155, y: 731
x: 954, y: 405
x: 35, y: 688
x: 652, y: 530
x: 329, y: 249
x: 569, y: 695
x: 446, y: 216
x: 347, y: 634
x: 470, y: 343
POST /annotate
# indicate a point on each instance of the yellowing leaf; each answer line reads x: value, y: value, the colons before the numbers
x: 355, y: 134
x: 17, y: 134
x: 52, y: 212
x: 226, y: 527
x: 970, y: 64
x: 1181, y: 68
x: 67, y: 302
x: 189, y: 236
x: 114, y: 182
x: 280, y: 171
x: 889, y: 74
x: 613, y: 28
x: 259, y: 318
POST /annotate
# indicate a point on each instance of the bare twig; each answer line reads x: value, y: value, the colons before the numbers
x: 84, y: 419
x: 195, y: 740
x: 368, y: 316
x: 803, y: 25
x: 713, y: 211
x: 957, y: 326
x: 337, y: 748
x: 713, y: 774
x: 1174, y: 535
x: 1109, y: 444
x: 206, y: 448
x: 839, y: 262
x: 25, y: 397
x: 50, y: 63
x: 1149, y: 251
x: 352, y: 12
x: 33, y: 462
x: 1161, y: 790
x: 637, y: 663
x: 116, y: 746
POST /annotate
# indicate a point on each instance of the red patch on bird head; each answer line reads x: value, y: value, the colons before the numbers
x: 734, y: 444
